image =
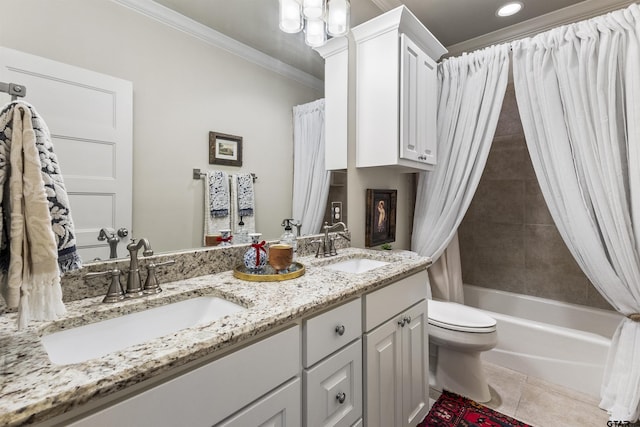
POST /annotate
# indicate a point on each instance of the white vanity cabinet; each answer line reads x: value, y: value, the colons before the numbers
x: 396, y: 92
x: 332, y: 362
x: 396, y: 354
x: 205, y: 396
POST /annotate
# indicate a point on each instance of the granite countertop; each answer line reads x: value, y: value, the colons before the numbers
x: 33, y: 389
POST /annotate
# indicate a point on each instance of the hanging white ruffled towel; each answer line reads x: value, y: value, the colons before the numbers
x: 37, y: 238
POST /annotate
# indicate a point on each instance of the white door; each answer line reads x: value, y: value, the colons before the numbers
x: 90, y: 118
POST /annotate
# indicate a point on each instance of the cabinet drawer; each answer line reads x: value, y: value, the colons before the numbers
x: 327, y: 332
x: 333, y: 389
x: 278, y: 409
x: 385, y: 303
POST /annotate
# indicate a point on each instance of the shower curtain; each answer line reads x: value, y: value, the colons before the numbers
x: 310, y: 179
x: 577, y: 89
x: 471, y: 88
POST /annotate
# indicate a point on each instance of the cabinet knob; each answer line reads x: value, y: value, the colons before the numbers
x: 341, y: 397
x: 340, y: 330
x: 404, y: 321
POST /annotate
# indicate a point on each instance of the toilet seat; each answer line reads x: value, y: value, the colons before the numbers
x: 458, y: 317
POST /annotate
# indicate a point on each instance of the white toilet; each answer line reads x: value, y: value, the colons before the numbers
x: 457, y: 336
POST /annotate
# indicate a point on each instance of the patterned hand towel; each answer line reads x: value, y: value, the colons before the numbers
x: 243, y: 202
x: 245, y: 194
x: 216, y: 203
x: 37, y: 240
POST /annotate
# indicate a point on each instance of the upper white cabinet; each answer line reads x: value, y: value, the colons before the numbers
x: 336, y: 90
x: 396, y: 92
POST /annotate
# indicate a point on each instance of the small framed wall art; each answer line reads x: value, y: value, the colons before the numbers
x: 380, y: 225
x: 225, y: 149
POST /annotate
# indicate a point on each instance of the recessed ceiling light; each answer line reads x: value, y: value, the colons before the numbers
x: 510, y: 8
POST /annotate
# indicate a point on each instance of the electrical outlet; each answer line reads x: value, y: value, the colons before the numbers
x: 336, y: 212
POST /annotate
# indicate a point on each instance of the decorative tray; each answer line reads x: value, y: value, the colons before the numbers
x: 268, y: 274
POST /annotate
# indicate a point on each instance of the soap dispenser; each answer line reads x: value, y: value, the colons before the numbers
x: 242, y: 235
x: 288, y: 237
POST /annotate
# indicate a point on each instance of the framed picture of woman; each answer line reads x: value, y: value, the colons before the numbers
x: 380, y: 225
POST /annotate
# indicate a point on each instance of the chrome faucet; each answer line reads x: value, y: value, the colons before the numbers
x: 298, y: 225
x: 112, y: 238
x: 328, y: 242
x: 134, y: 288
x: 114, y: 293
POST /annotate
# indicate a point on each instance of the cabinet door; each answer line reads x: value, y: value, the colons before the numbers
x: 383, y: 400
x: 280, y: 408
x: 418, y: 91
x: 415, y: 365
x: 333, y: 389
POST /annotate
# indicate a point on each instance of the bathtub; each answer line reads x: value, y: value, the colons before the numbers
x: 562, y: 343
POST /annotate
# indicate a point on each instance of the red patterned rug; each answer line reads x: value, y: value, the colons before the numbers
x: 451, y: 410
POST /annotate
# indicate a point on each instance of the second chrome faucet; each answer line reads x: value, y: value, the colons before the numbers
x: 328, y: 242
x: 134, y: 285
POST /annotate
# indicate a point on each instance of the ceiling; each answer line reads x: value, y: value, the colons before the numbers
x: 255, y: 22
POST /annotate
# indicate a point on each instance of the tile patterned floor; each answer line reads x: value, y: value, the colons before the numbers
x: 540, y: 403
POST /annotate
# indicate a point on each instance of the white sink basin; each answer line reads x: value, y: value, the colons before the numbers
x: 356, y: 265
x: 101, y: 338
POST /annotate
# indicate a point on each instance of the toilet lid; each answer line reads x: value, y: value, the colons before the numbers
x: 459, y: 317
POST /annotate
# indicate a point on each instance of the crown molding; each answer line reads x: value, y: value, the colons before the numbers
x: 403, y: 20
x: 215, y: 38
x: 387, y: 5
x: 333, y: 46
x: 570, y: 14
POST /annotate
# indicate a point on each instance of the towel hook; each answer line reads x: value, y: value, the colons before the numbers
x: 13, y: 89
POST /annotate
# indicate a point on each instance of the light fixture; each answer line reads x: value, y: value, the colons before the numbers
x: 510, y: 8
x: 319, y: 18
x: 290, y: 16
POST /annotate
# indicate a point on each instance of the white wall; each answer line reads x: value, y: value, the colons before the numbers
x: 183, y: 88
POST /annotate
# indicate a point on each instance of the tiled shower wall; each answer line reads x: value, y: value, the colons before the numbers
x: 508, y: 240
